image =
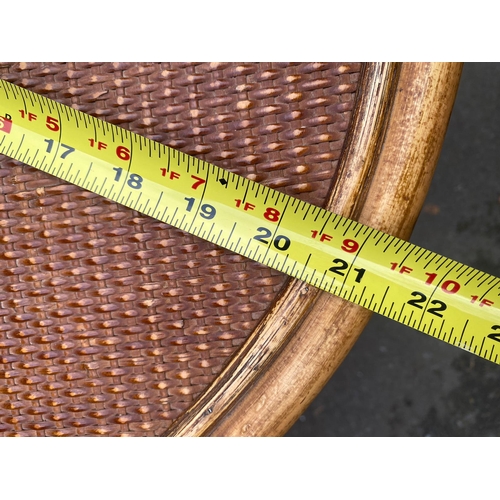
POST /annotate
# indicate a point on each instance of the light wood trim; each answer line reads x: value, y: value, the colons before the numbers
x: 408, y: 156
x: 390, y: 189
x: 376, y: 90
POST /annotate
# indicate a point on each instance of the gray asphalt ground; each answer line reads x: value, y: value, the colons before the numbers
x: 397, y: 381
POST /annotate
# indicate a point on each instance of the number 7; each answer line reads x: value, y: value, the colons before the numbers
x: 69, y: 150
x: 199, y: 182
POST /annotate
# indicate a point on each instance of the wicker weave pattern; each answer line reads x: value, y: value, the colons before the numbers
x: 112, y: 323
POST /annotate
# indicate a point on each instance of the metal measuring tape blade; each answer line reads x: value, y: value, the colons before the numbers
x: 443, y: 298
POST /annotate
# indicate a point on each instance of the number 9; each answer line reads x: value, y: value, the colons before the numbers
x: 207, y: 211
x: 350, y: 246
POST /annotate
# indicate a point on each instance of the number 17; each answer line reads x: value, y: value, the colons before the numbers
x: 50, y: 143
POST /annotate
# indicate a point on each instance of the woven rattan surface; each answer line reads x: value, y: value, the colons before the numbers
x: 112, y: 323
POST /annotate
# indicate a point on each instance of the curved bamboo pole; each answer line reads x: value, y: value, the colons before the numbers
x: 398, y: 129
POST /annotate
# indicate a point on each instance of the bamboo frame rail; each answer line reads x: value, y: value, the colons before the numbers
x: 387, y: 165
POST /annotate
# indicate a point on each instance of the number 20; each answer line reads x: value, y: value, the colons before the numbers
x: 280, y: 242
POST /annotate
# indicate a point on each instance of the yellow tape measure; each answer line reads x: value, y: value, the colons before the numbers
x: 419, y: 288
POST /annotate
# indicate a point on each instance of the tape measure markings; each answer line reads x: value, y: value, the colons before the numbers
x: 331, y: 252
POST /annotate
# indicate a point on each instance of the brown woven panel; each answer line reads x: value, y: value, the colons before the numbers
x: 112, y: 323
